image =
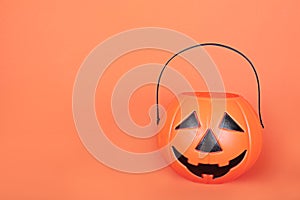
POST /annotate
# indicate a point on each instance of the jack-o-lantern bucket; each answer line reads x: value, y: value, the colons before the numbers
x: 207, y: 144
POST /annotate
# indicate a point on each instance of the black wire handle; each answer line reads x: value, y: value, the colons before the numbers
x: 202, y: 45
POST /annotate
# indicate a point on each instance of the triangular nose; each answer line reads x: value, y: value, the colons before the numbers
x: 209, y: 143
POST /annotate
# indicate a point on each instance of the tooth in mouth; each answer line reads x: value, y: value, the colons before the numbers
x: 223, y: 164
x: 210, y: 169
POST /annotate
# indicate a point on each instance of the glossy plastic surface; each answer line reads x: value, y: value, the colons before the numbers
x: 238, y: 145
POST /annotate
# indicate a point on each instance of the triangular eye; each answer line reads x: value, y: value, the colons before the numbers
x: 190, y: 122
x: 229, y: 124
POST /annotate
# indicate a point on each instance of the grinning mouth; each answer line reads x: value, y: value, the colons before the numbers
x: 211, y: 169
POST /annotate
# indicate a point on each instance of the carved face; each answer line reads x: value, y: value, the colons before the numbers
x: 212, y: 139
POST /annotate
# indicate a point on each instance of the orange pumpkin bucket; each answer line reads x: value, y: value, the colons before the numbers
x: 218, y: 135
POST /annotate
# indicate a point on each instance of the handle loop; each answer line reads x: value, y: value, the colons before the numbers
x: 202, y: 45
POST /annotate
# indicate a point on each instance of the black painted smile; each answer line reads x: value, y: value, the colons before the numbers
x: 211, y: 169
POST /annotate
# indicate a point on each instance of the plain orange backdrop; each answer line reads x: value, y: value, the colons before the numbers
x: 42, y: 45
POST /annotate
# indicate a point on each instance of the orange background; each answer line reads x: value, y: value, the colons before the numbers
x: 43, y: 44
